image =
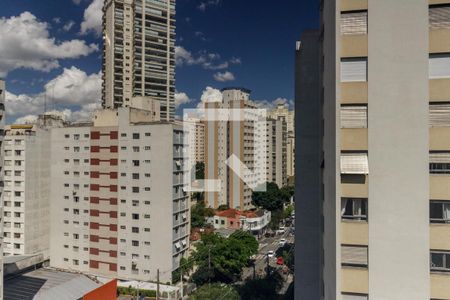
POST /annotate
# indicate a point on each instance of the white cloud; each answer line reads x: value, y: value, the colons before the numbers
x: 68, y: 25
x: 25, y: 42
x: 92, y: 21
x: 208, y: 61
x: 274, y: 103
x: 205, y: 4
x: 224, y: 77
x: 56, y: 20
x: 181, y: 98
x: 72, y: 88
x: 210, y: 95
x: 85, y: 113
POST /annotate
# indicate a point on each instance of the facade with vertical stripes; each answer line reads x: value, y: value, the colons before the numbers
x: 384, y: 84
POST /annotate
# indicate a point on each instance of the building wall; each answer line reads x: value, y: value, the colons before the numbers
x: 2, y: 124
x: 398, y: 150
x: 130, y: 222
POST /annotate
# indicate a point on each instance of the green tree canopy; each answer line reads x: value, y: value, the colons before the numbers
x: 214, y: 292
x: 222, y: 259
x: 199, y: 213
x: 272, y: 199
x: 262, y: 289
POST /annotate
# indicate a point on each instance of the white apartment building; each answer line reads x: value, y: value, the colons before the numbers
x: 118, y: 205
x: 27, y: 188
x: 2, y: 125
x: 139, y: 53
x: 195, y: 130
x: 224, y: 138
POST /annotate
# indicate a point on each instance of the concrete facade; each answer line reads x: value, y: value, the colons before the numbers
x: 139, y: 53
x: 385, y: 112
x: 118, y: 205
x: 2, y: 125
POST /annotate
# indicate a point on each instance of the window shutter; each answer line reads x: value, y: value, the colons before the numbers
x: 354, y: 255
x: 440, y: 157
x: 354, y: 297
x: 355, y: 163
x: 354, y: 23
x: 439, y: 17
x: 439, y: 115
x: 439, y: 65
x: 354, y: 116
x: 353, y: 69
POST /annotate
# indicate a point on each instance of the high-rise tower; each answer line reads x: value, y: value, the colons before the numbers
x: 373, y: 204
x: 139, y: 53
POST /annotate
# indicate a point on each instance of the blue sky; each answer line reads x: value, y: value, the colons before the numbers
x: 50, y: 51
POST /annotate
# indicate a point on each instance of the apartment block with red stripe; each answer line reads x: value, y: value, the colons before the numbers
x: 118, y: 205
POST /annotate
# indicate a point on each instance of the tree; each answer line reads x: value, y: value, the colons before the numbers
x: 215, y: 291
x: 222, y: 259
x: 271, y: 199
x: 262, y: 289
x: 200, y: 170
x: 199, y: 213
x: 223, y: 207
x: 186, y: 265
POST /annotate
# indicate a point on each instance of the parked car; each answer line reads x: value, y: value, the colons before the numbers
x: 270, y: 253
x: 282, y: 242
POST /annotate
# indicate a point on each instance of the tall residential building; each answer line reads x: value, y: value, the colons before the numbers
x: 282, y: 111
x: 224, y: 138
x: 118, y: 205
x: 139, y: 53
x: 382, y: 182
x: 195, y: 128
x: 27, y: 188
x: 275, y: 151
x: 2, y: 125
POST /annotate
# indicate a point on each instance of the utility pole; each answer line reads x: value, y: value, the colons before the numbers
x: 181, y: 279
x: 157, y: 284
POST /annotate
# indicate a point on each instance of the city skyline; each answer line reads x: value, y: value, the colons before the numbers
x: 45, y: 74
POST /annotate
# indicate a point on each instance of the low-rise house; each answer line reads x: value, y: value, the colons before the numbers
x: 254, y: 221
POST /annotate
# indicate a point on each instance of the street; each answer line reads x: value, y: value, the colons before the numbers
x: 267, y: 244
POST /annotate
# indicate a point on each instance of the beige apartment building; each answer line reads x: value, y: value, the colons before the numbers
x: 385, y: 73
x: 275, y: 151
x: 2, y: 130
x: 26, y: 198
x: 224, y: 138
x: 282, y: 111
x: 139, y: 53
x: 195, y: 129
x: 118, y: 205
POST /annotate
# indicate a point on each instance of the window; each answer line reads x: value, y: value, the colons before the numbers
x: 439, y: 114
x: 439, y: 65
x: 349, y: 296
x: 135, y: 189
x: 354, y: 255
x: 440, y: 261
x: 147, y: 148
x: 354, y: 69
x: 147, y: 175
x: 147, y: 189
x: 439, y: 211
x: 148, y: 134
x: 354, y: 209
x: 135, y: 175
x: 135, y: 136
x: 354, y: 163
x: 135, y: 229
x: 135, y: 216
x: 439, y: 162
x: 76, y: 137
x: 439, y: 16
x: 135, y: 243
x: 136, y: 163
x: 354, y: 116
x: 135, y: 149
x: 354, y: 23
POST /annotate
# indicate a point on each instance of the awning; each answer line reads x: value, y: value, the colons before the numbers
x: 354, y: 163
